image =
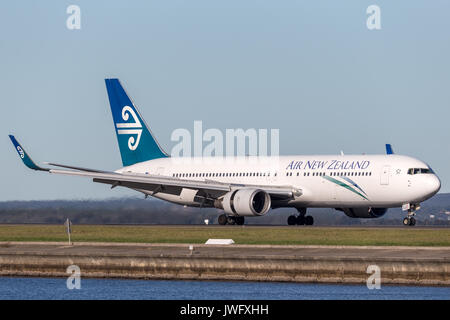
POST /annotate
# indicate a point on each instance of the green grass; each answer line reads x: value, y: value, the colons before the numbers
x: 241, y: 235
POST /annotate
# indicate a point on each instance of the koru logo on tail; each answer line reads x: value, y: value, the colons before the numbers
x: 133, y: 128
x: 21, y: 153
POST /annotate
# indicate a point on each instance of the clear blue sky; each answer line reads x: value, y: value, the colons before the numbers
x: 309, y: 68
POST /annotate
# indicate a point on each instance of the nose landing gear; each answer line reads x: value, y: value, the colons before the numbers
x: 409, y: 220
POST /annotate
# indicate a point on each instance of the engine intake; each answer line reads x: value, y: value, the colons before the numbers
x: 246, y: 202
x: 364, y: 212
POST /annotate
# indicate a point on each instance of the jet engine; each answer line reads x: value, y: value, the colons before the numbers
x: 246, y: 202
x: 364, y: 212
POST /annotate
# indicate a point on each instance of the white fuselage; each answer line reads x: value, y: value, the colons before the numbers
x: 335, y: 181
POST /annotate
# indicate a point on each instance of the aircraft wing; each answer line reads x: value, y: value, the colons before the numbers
x: 153, y: 184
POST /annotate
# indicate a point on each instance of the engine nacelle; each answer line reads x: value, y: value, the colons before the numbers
x: 246, y: 202
x: 364, y: 212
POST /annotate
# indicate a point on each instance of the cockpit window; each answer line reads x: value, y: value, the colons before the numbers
x: 419, y: 170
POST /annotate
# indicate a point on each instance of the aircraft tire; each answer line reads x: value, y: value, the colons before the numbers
x: 239, y: 220
x: 223, y: 219
x: 406, y: 221
x: 300, y: 220
x: 292, y: 220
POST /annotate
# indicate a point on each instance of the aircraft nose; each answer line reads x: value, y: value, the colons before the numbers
x: 433, y: 184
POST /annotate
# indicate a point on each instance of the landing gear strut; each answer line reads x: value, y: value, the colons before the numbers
x: 301, y: 219
x: 231, y: 220
x: 409, y: 220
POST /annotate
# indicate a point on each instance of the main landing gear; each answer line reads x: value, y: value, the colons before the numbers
x: 301, y: 219
x: 409, y: 220
x: 232, y: 220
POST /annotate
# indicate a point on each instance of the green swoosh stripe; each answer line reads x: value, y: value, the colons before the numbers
x: 346, y: 186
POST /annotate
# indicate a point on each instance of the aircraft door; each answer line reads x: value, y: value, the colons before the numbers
x: 384, y: 177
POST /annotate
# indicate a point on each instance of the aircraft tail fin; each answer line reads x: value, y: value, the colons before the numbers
x: 136, y: 141
x: 389, y: 149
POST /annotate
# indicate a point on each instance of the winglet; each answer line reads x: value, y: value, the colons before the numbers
x: 389, y: 149
x: 24, y: 156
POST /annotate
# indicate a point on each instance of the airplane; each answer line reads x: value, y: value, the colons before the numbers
x: 361, y: 186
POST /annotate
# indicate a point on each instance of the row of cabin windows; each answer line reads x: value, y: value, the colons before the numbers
x: 332, y: 174
x: 222, y: 174
x: 264, y: 174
